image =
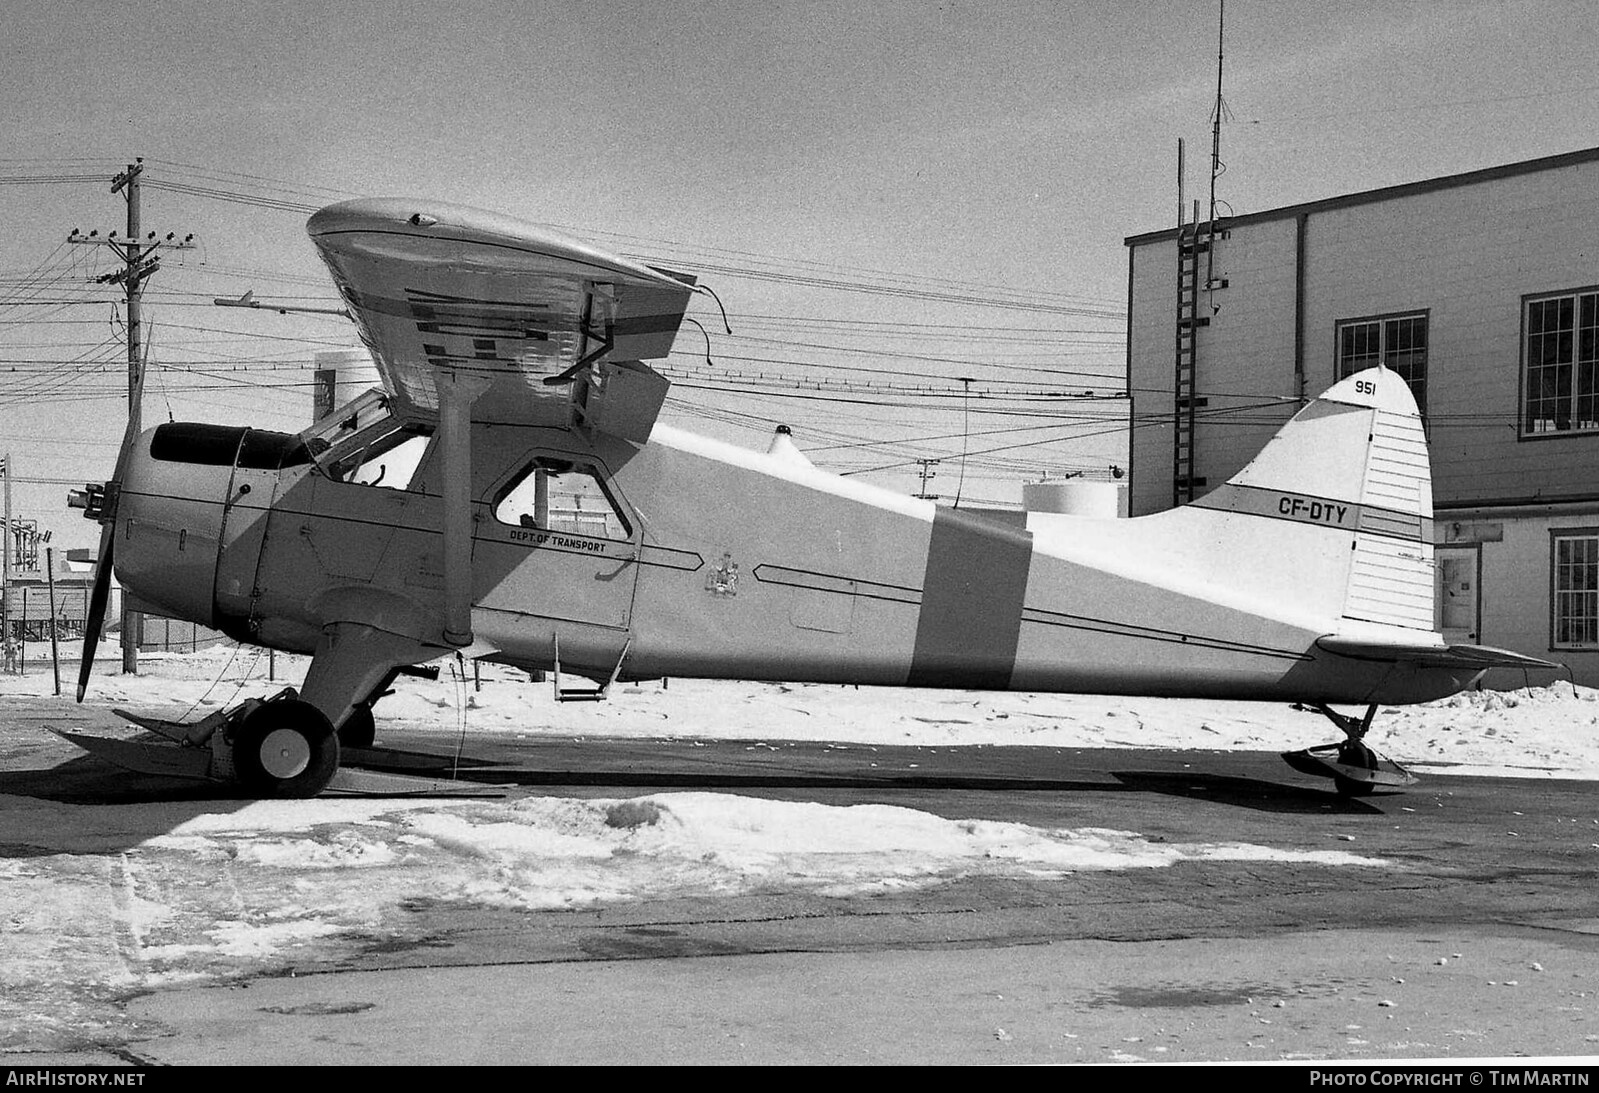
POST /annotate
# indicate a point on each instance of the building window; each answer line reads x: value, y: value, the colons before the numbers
x: 1574, y: 609
x: 1398, y: 342
x: 1561, y: 358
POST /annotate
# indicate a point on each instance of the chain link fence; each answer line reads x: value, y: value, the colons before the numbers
x: 32, y: 614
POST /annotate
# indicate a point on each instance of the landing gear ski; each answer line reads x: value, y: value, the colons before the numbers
x: 280, y: 746
x: 1356, y: 770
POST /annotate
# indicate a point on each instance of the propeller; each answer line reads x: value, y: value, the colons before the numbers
x: 106, y: 512
x: 97, y: 604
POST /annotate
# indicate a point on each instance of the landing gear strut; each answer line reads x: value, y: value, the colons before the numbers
x: 1356, y: 770
x: 359, y: 729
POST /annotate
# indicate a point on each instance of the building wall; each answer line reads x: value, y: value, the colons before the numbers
x: 1467, y: 252
x: 1151, y: 313
x: 1466, y: 255
x: 1245, y: 358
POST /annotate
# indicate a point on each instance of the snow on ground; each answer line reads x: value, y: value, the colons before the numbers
x: 1551, y: 731
x: 88, y: 914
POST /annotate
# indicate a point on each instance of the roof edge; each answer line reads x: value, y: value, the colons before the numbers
x: 1388, y: 193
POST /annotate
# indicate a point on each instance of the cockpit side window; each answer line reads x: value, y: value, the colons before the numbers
x: 365, y: 443
x: 389, y: 459
x: 553, y: 493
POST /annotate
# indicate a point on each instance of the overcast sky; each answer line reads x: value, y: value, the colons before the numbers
x: 998, y: 150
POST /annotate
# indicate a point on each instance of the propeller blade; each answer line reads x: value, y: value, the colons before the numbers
x: 101, y: 594
x: 97, y: 604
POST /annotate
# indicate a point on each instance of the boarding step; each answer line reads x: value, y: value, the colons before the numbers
x: 586, y: 694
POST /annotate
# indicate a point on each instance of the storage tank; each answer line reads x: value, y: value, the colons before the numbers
x: 1076, y: 497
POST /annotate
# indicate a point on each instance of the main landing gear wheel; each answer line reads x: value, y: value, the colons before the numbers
x: 285, y: 748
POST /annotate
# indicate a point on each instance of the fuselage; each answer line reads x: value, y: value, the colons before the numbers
x: 687, y: 557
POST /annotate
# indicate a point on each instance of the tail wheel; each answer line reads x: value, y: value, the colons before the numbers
x: 285, y: 748
x: 1353, y: 753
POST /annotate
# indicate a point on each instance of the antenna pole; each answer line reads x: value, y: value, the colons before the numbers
x: 1180, y: 182
x: 1215, y: 145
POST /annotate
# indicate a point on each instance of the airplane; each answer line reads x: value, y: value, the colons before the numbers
x: 510, y: 495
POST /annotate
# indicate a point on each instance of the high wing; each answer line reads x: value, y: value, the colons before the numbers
x: 558, y: 328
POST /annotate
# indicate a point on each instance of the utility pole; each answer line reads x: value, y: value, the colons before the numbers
x: 926, y: 471
x: 139, y: 261
x: 55, y: 645
x: 132, y: 282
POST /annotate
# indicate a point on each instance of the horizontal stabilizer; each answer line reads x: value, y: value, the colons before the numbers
x: 1469, y: 657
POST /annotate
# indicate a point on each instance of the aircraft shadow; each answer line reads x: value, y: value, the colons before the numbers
x: 85, y: 780
x: 1251, y: 793
x: 490, y: 775
x: 88, y: 781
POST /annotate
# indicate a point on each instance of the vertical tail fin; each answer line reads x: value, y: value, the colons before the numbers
x: 1354, y: 460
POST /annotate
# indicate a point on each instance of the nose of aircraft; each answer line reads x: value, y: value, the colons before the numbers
x: 169, y: 516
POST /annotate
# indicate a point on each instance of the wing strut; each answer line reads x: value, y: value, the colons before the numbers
x: 457, y: 393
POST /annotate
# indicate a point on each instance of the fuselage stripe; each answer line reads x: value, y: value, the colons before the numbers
x: 970, y: 622
x: 1324, y: 512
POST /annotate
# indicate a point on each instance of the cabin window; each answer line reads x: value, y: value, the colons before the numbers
x: 388, y: 461
x: 1398, y: 342
x: 1574, y: 605
x: 558, y: 494
x: 1560, y: 364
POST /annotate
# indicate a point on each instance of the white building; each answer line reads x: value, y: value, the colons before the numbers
x: 1482, y: 289
x: 339, y: 375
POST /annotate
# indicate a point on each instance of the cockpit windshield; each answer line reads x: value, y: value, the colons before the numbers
x: 349, y: 419
x: 364, y: 443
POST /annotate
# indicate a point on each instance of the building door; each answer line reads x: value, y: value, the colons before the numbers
x: 1459, y: 594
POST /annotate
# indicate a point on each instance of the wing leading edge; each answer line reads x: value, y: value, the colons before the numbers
x: 557, y: 327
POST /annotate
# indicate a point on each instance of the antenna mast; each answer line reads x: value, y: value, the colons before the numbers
x: 1216, y: 167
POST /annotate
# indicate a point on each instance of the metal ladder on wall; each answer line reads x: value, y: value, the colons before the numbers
x: 1192, y: 247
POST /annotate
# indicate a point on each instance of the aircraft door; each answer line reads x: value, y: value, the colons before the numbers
x: 559, y: 543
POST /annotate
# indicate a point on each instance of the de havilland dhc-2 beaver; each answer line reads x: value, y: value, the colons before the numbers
x: 510, y: 495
